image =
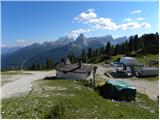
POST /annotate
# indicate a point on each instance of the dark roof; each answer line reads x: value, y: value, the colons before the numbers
x: 75, y: 68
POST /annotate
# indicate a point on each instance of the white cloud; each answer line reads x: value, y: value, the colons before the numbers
x: 101, y: 23
x: 3, y: 45
x: 133, y: 19
x: 128, y: 19
x: 136, y: 12
x: 90, y: 17
x: 22, y: 43
x: 139, y: 19
x: 75, y: 33
x: 91, y: 10
x: 86, y: 16
x: 134, y: 25
x: 104, y: 23
x: 129, y: 25
x: 145, y: 25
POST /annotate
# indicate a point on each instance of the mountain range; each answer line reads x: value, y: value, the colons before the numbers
x: 7, y: 50
x: 38, y: 53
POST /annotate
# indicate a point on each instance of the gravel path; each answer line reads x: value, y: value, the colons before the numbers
x: 22, y: 83
x: 150, y: 88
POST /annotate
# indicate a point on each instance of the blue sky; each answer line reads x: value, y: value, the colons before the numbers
x: 24, y: 23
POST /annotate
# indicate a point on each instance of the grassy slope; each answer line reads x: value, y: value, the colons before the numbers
x: 14, y: 73
x: 141, y: 59
x: 70, y: 99
x: 145, y: 59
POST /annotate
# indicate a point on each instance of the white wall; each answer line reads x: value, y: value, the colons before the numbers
x: 76, y: 76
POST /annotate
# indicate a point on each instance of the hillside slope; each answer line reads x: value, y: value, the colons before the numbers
x: 39, y: 53
x: 70, y: 99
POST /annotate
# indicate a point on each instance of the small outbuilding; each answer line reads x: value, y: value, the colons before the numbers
x: 128, y: 61
x: 76, y: 71
x: 118, y: 90
x: 148, y: 72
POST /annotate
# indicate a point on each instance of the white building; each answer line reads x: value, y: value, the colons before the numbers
x: 128, y: 61
x: 148, y: 71
x: 75, y: 71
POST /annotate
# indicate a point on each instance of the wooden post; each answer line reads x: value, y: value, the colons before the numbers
x: 94, y: 80
x: 133, y: 74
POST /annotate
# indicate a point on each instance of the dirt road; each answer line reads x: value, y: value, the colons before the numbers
x: 150, y: 88
x: 21, y: 83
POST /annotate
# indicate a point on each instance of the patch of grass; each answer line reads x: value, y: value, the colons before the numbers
x: 113, y: 59
x: 150, y: 78
x: 13, y: 73
x: 145, y: 78
x: 144, y: 59
x: 3, y: 82
x: 141, y: 59
x: 100, y: 82
x: 70, y: 99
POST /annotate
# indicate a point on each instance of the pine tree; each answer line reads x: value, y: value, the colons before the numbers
x: 108, y: 49
x: 89, y: 54
x: 126, y: 49
x: 112, y: 50
x: 101, y: 51
x: 38, y: 66
x: 130, y: 44
x: 49, y: 64
x: 72, y: 58
x: 136, y: 43
x: 116, y: 50
x: 33, y: 67
x: 83, y: 56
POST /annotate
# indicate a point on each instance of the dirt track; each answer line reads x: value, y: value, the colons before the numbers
x: 21, y: 83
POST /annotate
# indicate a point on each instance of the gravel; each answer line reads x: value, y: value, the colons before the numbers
x: 22, y: 83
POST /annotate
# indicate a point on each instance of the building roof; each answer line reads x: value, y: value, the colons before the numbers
x: 75, y: 68
x: 128, y: 57
x: 120, y: 84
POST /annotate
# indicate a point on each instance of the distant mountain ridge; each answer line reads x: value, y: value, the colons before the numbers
x: 7, y: 50
x: 38, y: 53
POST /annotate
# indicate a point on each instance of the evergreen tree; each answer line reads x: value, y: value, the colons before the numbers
x: 126, y: 49
x: 49, y: 64
x: 116, y: 50
x: 112, y: 50
x: 108, y: 49
x: 72, y: 58
x: 136, y: 43
x: 83, y: 56
x: 33, y: 67
x: 97, y: 52
x: 89, y: 54
x: 38, y: 67
x: 101, y: 51
x: 130, y: 44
